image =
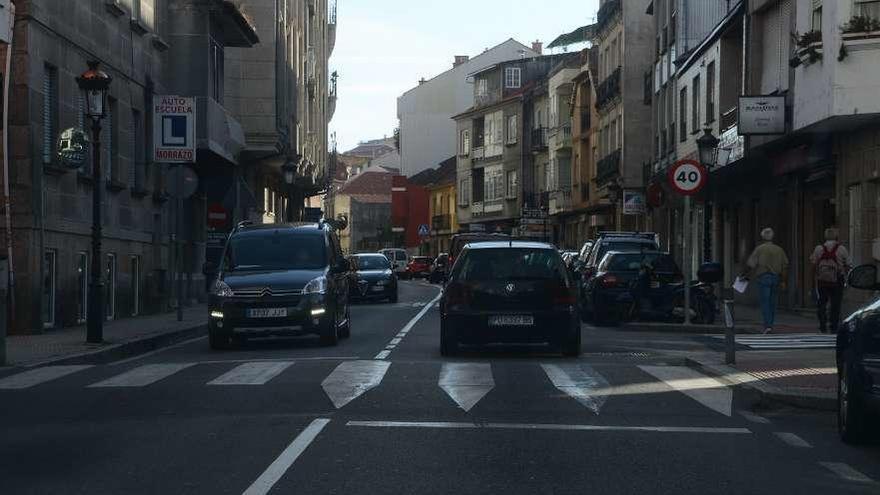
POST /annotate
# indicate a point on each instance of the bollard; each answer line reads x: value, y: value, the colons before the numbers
x: 729, y: 333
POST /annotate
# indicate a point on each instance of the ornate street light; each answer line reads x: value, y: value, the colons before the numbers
x: 95, y: 84
x: 707, y: 146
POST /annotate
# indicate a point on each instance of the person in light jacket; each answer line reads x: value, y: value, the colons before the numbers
x: 768, y: 266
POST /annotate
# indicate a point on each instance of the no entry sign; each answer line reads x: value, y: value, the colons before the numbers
x: 687, y: 177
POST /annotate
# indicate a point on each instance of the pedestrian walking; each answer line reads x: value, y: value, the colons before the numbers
x: 831, y: 262
x: 768, y: 265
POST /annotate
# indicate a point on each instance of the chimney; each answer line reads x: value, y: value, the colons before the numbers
x: 422, y: 81
x: 538, y: 47
x: 460, y: 59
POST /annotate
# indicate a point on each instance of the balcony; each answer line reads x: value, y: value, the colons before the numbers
x: 331, y: 28
x: 607, y: 13
x: 217, y: 130
x: 729, y: 118
x: 540, y: 138
x: 563, y: 137
x: 560, y: 202
x: 608, y: 167
x: 478, y: 153
x: 331, y: 97
x: 441, y: 223
x: 609, y: 90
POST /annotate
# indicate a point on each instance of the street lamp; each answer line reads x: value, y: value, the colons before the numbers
x: 95, y: 83
x: 289, y: 172
x: 707, y: 146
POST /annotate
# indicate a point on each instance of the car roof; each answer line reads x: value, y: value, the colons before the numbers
x: 509, y: 245
x: 298, y: 228
x: 615, y: 253
x: 621, y: 238
x: 367, y: 255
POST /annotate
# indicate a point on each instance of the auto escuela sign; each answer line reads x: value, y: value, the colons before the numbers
x: 174, y: 129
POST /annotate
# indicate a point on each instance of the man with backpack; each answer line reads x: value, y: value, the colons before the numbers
x: 831, y: 262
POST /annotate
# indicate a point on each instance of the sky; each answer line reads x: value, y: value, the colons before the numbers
x: 383, y: 48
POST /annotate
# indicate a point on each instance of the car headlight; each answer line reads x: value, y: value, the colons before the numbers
x: 316, y: 286
x: 221, y: 289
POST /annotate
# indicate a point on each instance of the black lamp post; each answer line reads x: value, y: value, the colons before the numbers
x: 289, y: 172
x: 95, y: 84
x: 707, y: 146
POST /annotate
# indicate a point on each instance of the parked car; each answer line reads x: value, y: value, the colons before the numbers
x: 459, y: 241
x: 611, y: 241
x: 439, y: 269
x: 509, y: 292
x: 858, y: 364
x: 419, y: 266
x: 398, y: 259
x: 280, y: 280
x: 568, y: 258
x: 372, y: 278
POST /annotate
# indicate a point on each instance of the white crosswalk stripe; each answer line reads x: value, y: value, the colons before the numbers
x: 143, y: 375
x: 37, y: 376
x: 704, y: 389
x: 785, y: 341
x: 579, y: 381
x: 251, y: 373
x: 466, y: 383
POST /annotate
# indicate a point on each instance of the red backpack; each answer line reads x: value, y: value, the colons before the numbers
x: 828, y: 269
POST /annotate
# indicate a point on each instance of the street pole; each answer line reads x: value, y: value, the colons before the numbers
x: 95, y: 318
x: 686, y: 264
x: 179, y: 246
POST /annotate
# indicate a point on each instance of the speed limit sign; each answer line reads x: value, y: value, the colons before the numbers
x: 687, y: 177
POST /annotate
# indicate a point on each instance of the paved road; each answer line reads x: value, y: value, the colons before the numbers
x: 384, y: 413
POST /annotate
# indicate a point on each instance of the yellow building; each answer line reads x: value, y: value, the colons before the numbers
x: 441, y: 208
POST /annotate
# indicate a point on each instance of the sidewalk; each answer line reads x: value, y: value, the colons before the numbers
x: 122, y: 338
x: 748, y: 319
x: 803, y: 378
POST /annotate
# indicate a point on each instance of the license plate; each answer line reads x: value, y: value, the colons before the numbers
x: 511, y: 321
x: 267, y: 313
x: 377, y: 288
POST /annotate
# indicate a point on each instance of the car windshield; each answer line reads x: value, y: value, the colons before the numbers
x: 275, y: 251
x: 509, y: 264
x: 634, y: 262
x: 623, y: 246
x: 377, y: 262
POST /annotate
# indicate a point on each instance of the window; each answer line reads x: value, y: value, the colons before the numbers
x: 135, y: 289
x: 512, y: 185
x: 865, y: 8
x: 695, y: 100
x: 478, y: 191
x: 49, y: 284
x: 464, y: 146
x: 216, y: 71
x: 136, y: 9
x: 110, y: 287
x: 816, y: 17
x: 50, y: 111
x: 479, y: 132
x: 710, y: 92
x: 494, y: 129
x: 682, y: 114
x: 464, y: 192
x: 512, y: 77
x: 482, y: 87
x: 493, y: 183
x: 512, y: 129
x: 82, y: 286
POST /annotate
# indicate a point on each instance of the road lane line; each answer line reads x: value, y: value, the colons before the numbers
x: 352, y: 379
x: 846, y: 472
x: 754, y: 418
x: 580, y: 382
x: 284, y: 461
x: 257, y: 373
x: 27, y: 379
x: 545, y: 426
x: 466, y: 383
x: 409, y: 326
x: 793, y: 440
x: 143, y: 375
x: 704, y: 389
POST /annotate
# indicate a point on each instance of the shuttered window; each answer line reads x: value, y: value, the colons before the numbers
x: 50, y: 111
x: 816, y: 16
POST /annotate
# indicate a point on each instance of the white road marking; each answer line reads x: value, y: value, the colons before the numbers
x: 704, y: 389
x: 143, y: 375
x: 351, y: 379
x: 466, y: 383
x: 409, y: 326
x: 579, y: 381
x: 280, y: 466
x: 793, y: 440
x: 754, y: 418
x: 529, y: 426
x: 846, y: 472
x: 251, y: 373
x: 27, y: 379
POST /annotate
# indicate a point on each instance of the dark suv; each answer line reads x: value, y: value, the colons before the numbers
x: 282, y: 280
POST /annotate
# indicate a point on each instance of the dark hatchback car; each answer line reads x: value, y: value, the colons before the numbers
x: 858, y: 365
x: 280, y: 280
x: 373, y: 278
x: 509, y: 292
x: 606, y: 242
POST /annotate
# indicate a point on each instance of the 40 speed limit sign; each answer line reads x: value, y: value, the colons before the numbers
x: 687, y: 177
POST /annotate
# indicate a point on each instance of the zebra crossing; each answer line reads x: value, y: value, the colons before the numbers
x: 784, y: 341
x: 465, y: 384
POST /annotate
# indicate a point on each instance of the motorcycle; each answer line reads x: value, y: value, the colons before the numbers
x: 652, y: 300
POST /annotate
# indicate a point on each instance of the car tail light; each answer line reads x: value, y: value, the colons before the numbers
x: 609, y: 281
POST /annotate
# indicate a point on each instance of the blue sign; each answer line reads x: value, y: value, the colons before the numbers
x: 424, y: 230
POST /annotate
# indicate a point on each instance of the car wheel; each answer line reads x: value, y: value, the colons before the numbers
x: 852, y: 418
x: 218, y: 340
x: 448, y: 343
x: 330, y: 333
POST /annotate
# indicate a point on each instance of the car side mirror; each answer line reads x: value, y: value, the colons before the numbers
x: 863, y: 277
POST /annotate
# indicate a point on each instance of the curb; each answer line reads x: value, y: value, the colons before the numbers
x: 764, y: 392
x: 115, y: 352
x: 680, y: 328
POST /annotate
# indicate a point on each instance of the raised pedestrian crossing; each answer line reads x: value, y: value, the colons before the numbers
x: 771, y: 342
